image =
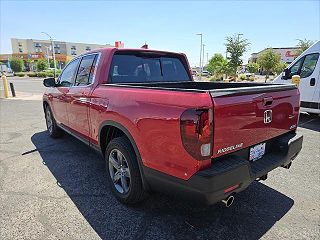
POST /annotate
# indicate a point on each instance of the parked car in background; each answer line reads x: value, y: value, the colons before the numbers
x: 7, y: 71
x: 158, y: 130
x: 307, y: 66
x: 206, y: 73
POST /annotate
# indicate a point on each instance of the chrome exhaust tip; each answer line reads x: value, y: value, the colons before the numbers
x: 228, y: 201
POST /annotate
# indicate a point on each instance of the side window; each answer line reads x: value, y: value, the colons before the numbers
x: 86, y: 70
x: 294, y: 70
x: 309, y: 64
x: 66, y: 77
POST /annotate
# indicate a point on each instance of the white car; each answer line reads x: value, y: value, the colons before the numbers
x: 206, y: 74
x: 307, y: 66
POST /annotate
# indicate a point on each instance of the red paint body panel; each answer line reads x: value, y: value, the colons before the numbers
x: 239, y: 119
x: 152, y: 117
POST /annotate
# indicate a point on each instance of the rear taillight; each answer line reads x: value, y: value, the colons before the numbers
x: 197, y: 132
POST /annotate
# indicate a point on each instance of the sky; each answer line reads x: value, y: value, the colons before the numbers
x: 165, y: 25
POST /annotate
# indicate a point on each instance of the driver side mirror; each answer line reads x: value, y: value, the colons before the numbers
x: 285, y: 74
x: 49, y: 82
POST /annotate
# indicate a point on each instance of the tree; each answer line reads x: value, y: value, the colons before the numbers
x: 303, y: 44
x: 16, y: 64
x: 42, y: 65
x: 52, y: 63
x: 215, y: 63
x: 280, y: 67
x: 269, y: 60
x: 236, y: 47
x: 253, y: 67
x: 218, y: 66
x: 29, y: 64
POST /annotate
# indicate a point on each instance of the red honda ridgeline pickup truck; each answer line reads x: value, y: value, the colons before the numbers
x: 159, y: 130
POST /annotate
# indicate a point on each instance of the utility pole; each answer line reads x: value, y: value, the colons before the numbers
x: 207, y: 57
x: 203, y: 63
x: 239, y: 34
x: 200, y: 67
x: 53, y: 53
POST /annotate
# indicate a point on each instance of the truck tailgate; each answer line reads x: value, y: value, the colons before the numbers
x: 246, y: 118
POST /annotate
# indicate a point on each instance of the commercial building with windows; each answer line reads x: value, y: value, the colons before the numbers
x: 288, y: 54
x: 35, y: 49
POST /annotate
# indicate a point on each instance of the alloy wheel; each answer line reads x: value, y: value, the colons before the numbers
x: 119, y: 171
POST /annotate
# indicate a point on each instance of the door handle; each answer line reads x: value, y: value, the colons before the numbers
x: 312, y: 81
x: 267, y: 101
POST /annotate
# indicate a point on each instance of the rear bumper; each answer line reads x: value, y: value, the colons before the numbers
x: 208, y: 186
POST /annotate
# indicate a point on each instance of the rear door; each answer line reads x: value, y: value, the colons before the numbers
x: 78, y: 97
x: 246, y: 119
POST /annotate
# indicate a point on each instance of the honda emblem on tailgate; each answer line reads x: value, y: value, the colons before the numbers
x: 267, y: 116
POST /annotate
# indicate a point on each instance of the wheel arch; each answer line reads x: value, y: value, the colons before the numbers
x: 103, y: 139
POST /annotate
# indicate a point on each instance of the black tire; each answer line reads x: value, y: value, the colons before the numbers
x: 135, y: 193
x: 53, y: 129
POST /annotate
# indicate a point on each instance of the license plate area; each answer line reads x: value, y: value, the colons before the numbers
x: 256, y: 152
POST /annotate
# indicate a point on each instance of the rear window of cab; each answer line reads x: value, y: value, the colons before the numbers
x: 142, y: 68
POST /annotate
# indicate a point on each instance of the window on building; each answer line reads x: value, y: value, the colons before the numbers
x: 86, y: 70
x: 57, y: 51
x: 20, y: 50
x: 37, y: 45
x: 73, y: 48
x: 19, y: 43
x: 88, y: 48
x: 73, y: 53
x: 57, y: 46
x: 67, y: 76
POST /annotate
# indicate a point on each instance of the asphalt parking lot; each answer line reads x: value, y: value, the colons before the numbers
x: 57, y: 189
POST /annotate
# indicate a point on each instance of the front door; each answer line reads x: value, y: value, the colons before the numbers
x: 309, y: 77
x: 59, y: 101
x: 305, y: 68
x: 78, y: 97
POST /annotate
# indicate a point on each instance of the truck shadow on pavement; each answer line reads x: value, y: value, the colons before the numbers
x: 309, y: 122
x: 80, y: 171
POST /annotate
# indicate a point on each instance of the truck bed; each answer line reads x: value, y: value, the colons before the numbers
x: 216, y: 89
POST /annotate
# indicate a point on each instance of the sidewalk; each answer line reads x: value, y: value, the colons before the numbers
x: 21, y: 96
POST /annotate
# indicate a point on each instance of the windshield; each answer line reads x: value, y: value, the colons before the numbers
x: 132, y: 68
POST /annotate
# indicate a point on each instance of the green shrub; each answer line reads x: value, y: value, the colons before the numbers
x: 20, y: 74
x: 242, y: 77
x: 16, y: 64
x: 251, y: 78
x: 216, y: 78
x: 252, y: 67
x: 32, y: 74
x: 49, y: 74
x: 41, y: 74
x: 42, y: 65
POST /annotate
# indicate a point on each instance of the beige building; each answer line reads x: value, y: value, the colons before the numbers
x: 288, y: 54
x: 63, y: 50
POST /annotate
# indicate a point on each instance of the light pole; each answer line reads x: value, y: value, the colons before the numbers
x: 207, y: 57
x: 239, y: 34
x: 53, y: 53
x: 203, y: 63
x: 200, y: 67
